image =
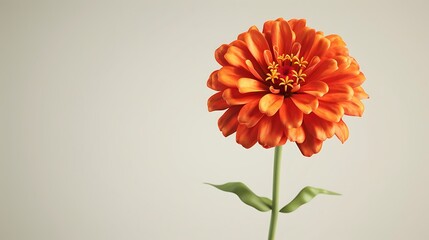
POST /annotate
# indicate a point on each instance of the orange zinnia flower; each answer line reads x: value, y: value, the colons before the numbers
x: 287, y: 82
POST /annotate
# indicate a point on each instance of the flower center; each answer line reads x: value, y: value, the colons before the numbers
x: 286, y: 75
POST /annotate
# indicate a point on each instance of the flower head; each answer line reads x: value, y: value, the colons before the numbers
x: 286, y: 83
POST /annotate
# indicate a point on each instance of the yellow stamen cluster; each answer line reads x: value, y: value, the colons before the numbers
x: 299, y: 75
x: 286, y: 81
x: 300, y: 62
x: 274, y: 74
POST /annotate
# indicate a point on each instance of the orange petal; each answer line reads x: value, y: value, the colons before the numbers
x: 315, y: 88
x: 307, y: 41
x: 354, y: 107
x: 216, y: 102
x: 329, y: 111
x: 296, y: 134
x: 312, y: 65
x: 233, y: 97
x: 339, y: 76
x: 318, y: 127
x: 228, y: 121
x: 220, y: 54
x: 321, y: 45
x: 360, y: 93
x: 324, y: 68
x: 290, y: 115
x: 337, y: 46
x: 283, y: 140
x: 268, y: 57
x: 229, y: 76
x: 247, y: 137
x: 267, y: 27
x: 296, y: 48
x: 247, y: 85
x: 238, y: 53
x: 338, y: 93
x: 241, y: 36
x: 257, y: 73
x: 250, y: 115
x: 351, y: 66
x: 257, y: 44
x: 351, y: 78
x: 310, y: 146
x: 270, y: 103
x: 270, y: 131
x: 305, y: 102
x: 213, y: 82
x: 281, y: 37
x: 343, y: 61
x: 341, y: 131
x: 336, y: 40
x: 297, y: 25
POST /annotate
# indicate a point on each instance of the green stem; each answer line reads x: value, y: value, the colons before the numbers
x: 275, y: 206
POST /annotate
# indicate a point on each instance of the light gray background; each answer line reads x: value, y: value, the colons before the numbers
x: 104, y: 131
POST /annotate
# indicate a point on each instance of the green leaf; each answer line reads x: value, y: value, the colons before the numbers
x: 246, y: 195
x: 303, y: 197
